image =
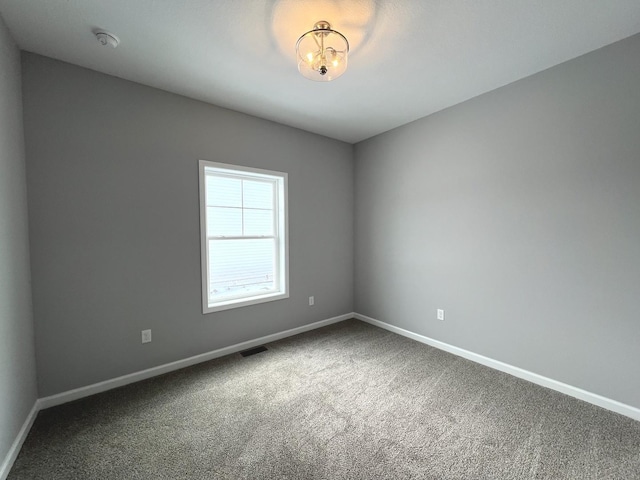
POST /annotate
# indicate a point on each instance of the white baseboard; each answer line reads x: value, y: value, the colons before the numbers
x: 17, y: 443
x: 575, y: 392
x: 77, y: 393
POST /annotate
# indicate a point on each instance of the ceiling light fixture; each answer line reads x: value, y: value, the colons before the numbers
x: 322, y: 53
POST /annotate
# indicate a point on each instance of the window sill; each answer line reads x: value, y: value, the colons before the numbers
x: 243, y: 302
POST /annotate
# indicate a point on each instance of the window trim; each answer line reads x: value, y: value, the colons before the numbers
x: 282, y: 253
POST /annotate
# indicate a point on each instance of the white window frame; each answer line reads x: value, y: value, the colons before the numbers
x: 281, y: 233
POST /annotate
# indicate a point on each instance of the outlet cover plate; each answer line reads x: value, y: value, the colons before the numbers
x: 146, y: 336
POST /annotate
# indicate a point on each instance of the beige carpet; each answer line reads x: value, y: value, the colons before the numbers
x: 349, y: 401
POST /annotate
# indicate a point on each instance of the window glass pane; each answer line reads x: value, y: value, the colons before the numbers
x: 258, y: 194
x: 240, y: 268
x: 258, y: 222
x: 223, y: 191
x: 224, y: 221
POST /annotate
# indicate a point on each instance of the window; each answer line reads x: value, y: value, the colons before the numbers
x: 243, y: 231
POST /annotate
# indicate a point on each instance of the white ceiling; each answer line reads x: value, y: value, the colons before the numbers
x: 409, y: 58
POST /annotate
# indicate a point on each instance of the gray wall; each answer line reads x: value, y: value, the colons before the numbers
x: 113, y: 198
x: 17, y: 358
x: 518, y: 212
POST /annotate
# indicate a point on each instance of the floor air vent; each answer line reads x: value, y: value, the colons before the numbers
x: 253, y: 351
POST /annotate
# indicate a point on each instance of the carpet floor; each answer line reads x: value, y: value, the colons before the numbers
x: 348, y: 401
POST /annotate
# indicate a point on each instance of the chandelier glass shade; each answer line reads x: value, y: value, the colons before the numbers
x: 322, y: 53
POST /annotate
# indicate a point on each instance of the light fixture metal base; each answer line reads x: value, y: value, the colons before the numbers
x: 322, y: 25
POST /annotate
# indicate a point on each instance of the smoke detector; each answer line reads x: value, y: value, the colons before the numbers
x: 107, y: 39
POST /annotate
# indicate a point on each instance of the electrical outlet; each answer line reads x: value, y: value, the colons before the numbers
x: 146, y: 336
x: 440, y: 314
x: 312, y: 301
